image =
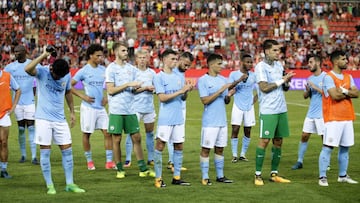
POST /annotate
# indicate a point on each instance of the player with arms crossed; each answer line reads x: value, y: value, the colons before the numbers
x: 338, y: 111
x: 7, y: 106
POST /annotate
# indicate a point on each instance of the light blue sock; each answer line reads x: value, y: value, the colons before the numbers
x: 245, y: 145
x: 4, y: 166
x: 22, y: 141
x: 128, y: 147
x: 178, y: 159
x: 31, y: 130
x: 46, y: 165
x: 158, y: 163
x: 150, y: 145
x: 68, y: 165
x: 109, y: 155
x: 219, y: 165
x: 204, y: 165
x: 343, y: 158
x: 234, y: 146
x: 302, y: 149
x: 171, y: 151
x: 324, y: 160
x: 88, y: 156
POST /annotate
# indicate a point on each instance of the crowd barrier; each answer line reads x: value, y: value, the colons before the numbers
x: 297, y: 83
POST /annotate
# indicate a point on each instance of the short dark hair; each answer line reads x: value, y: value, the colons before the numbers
x: 267, y: 44
x: 245, y: 56
x: 60, y: 67
x: 187, y: 55
x: 336, y: 54
x: 167, y: 52
x: 213, y: 57
x: 315, y: 56
x: 92, y: 49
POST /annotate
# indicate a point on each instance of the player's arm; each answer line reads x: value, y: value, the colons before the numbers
x: 268, y: 87
x: 70, y: 103
x: 31, y: 67
x: 353, y: 92
x: 208, y: 99
x: 112, y: 89
x: 166, y: 97
x: 79, y: 94
x: 150, y: 88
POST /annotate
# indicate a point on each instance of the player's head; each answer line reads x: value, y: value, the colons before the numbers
x: 121, y: 50
x: 20, y: 53
x: 142, y: 57
x: 338, y: 59
x: 271, y: 49
x: 169, y: 58
x: 247, y: 61
x: 59, y: 69
x: 215, y: 62
x: 185, y: 60
x: 94, y: 53
x: 314, y: 62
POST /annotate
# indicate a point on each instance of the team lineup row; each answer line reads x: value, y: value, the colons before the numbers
x: 130, y: 99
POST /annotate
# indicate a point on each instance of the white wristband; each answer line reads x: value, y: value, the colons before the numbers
x: 279, y: 82
x: 344, y: 91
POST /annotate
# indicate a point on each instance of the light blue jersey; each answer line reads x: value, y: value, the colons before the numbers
x: 243, y: 97
x: 13, y: 84
x: 182, y: 75
x: 315, y: 106
x: 144, y: 101
x: 50, y: 94
x: 170, y: 112
x: 274, y: 101
x: 214, y: 114
x: 329, y: 82
x: 121, y: 103
x: 93, y: 82
x: 25, y: 81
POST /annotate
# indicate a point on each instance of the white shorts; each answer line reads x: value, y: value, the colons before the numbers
x: 146, y: 117
x: 214, y: 136
x: 171, y: 133
x: 238, y: 116
x: 25, y: 112
x: 92, y: 119
x: 314, y: 125
x: 339, y: 133
x: 48, y: 131
x: 5, y: 121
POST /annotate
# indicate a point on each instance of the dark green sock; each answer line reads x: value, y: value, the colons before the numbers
x: 142, y: 165
x: 119, y: 166
x: 260, y: 154
x: 276, y: 155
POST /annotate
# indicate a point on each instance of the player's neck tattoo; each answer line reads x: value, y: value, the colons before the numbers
x: 268, y: 61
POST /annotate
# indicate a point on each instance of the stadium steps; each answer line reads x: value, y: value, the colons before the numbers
x: 130, y: 25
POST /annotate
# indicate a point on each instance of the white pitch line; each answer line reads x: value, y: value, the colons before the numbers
x: 303, y: 105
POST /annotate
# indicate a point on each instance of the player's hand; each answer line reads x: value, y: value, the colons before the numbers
x: 288, y: 76
x: 72, y: 119
x: 231, y: 92
x: 89, y: 99
x: 135, y: 84
x: 150, y: 88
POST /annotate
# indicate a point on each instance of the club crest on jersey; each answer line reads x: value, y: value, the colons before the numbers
x: 63, y: 84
